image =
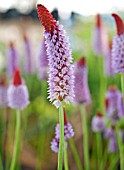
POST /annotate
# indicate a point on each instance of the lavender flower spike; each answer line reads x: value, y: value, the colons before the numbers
x: 42, y: 61
x: 100, y: 38
x: 68, y: 130
x: 81, y: 89
x: 118, y: 47
x: 17, y: 93
x: 12, y: 59
x: 110, y: 134
x: 28, y: 63
x: 108, y: 62
x: 114, y: 104
x: 3, y: 93
x: 112, y: 147
x: 61, y: 79
x: 98, y: 122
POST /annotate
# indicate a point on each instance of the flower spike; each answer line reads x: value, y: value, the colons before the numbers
x: 61, y: 79
x: 119, y: 24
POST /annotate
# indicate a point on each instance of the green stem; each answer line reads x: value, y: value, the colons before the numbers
x: 85, y: 139
x: 5, y: 141
x: 121, y: 149
x: 61, y: 143
x: 42, y: 136
x: 65, y: 157
x: 1, y: 163
x: 17, y: 137
x: 75, y: 154
x: 99, y: 148
x: 104, y: 159
x: 122, y: 85
x: 113, y: 163
x: 102, y: 83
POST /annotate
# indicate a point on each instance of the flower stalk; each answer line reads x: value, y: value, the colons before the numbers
x: 65, y: 157
x: 75, y: 154
x: 17, y: 138
x: 85, y: 139
x: 121, y: 148
x: 62, y: 141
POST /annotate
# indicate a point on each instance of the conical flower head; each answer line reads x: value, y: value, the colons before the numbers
x: 28, y: 62
x: 114, y: 104
x: 81, y: 89
x: 12, y: 59
x: 100, y: 38
x: 42, y: 61
x: 18, y: 97
x: 61, y: 79
x: 98, y: 122
x: 3, y: 92
x: 118, y: 47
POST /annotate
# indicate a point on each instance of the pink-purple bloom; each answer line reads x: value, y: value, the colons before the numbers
x: 108, y: 62
x: 110, y: 134
x: 61, y: 79
x: 68, y: 133
x: 118, y: 46
x: 114, y: 104
x: 98, y: 122
x: 81, y: 89
x: 17, y: 93
x: 100, y: 38
x: 42, y: 61
x: 55, y: 145
x: 3, y: 93
x: 28, y: 61
x: 12, y: 59
x: 112, y: 146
